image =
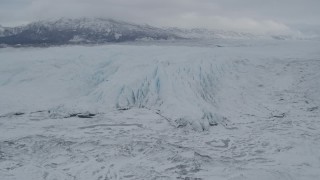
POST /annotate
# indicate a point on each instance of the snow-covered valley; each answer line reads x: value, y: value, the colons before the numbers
x: 244, y: 110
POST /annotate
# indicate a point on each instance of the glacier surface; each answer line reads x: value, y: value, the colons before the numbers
x: 244, y: 110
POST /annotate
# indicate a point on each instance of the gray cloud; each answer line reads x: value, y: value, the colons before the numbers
x: 244, y: 15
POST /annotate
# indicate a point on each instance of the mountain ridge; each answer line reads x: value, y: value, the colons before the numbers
x: 80, y: 31
x: 67, y: 31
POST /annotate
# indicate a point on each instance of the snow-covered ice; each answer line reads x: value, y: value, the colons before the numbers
x: 242, y: 110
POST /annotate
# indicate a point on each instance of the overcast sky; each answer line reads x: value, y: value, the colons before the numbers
x: 244, y: 15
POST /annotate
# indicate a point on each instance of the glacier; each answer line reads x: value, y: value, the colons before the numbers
x: 244, y: 109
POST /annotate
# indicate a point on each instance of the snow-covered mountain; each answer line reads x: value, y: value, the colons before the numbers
x: 82, y: 30
x: 102, y: 30
x: 2, y: 29
x: 201, y: 33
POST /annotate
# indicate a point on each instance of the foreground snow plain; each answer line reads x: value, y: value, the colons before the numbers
x: 239, y: 110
